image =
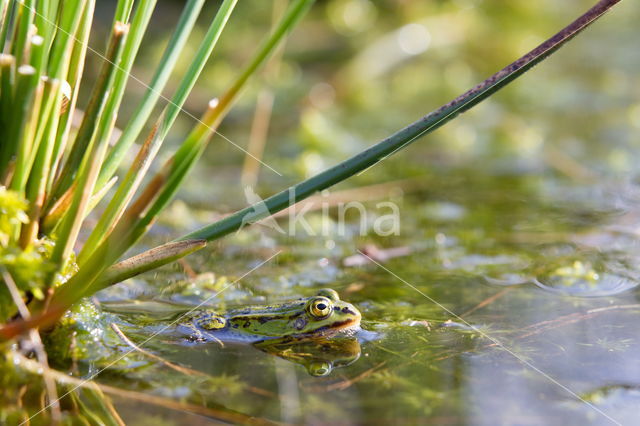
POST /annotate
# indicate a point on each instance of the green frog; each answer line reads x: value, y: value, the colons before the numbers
x: 321, y: 315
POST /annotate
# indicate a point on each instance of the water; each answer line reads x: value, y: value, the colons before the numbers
x: 489, y: 319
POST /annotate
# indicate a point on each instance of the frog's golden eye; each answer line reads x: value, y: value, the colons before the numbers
x: 320, y: 307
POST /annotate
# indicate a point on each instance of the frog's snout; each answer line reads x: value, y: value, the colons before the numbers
x: 353, y: 314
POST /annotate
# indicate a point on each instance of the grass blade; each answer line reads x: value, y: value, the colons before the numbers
x: 61, y: 205
x: 28, y: 144
x: 46, y: 12
x: 186, y: 85
x: 57, y: 67
x: 74, y: 76
x: 147, y: 153
x: 71, y: 13
x: 99, y: 97
x: 144, y: 109
x: 26, y: 82
x: 158, y: 256
x: 88, y: 173
x: 7, y: 83
x: 123, y: 195
x: 19, y: 46
x: 5, y: 16
x: 42, y: 155
x: 139, y: 24
x: 174, y: 172
x: 154, y: 91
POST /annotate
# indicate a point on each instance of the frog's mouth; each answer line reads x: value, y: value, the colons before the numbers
x: 335, y: 327
x: 348, y: 323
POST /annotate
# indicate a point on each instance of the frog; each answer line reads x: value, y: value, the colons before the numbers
x: 322, y: 315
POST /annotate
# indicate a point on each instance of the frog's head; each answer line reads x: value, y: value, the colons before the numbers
x: 326, y: 313
x: 320, y: 315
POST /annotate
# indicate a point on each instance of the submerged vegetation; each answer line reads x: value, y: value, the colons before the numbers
x: 60, y: 162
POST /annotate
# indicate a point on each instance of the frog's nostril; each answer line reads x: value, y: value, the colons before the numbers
x: 348, y: 310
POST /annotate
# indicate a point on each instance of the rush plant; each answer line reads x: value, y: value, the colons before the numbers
x: 53, y: 174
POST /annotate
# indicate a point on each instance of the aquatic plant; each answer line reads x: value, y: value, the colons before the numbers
x: 54, y: 174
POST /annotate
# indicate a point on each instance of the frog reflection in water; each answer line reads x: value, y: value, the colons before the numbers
x: 318, y: 355
x: 300, y: 331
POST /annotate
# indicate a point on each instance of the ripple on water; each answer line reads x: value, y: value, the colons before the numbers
x: 589, y: 274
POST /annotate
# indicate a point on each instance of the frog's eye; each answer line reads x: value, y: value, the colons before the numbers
x: 319, y: 369
x: 320, y: 307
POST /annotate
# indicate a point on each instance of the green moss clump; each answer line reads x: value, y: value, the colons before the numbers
x: 29, y: 267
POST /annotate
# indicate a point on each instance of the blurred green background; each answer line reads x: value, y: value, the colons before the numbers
x: 354, y: 71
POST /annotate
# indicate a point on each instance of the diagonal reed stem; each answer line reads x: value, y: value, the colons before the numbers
x: 397, y: 141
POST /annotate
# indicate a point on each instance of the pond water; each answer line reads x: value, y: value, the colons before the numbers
x: 509, y: 295
x: 504, y: 307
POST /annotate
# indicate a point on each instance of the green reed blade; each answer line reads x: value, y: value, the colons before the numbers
x: 404, y: 137
x: 201, y: 57
x: 97, y: 101
x: 45, y: 21
x: 137, y: 30
x: 159, y: 256
x: 25, y: 143
x: 90, y: 167
x: 173, y: 173
x: 7, y: 84
x: 191, y: 149
x: 7, y: 8
x: 19, y: 46
x: 123, y: 11
x: 61, y: 49
x: 57, y: 211
x: 74, y: 77
x: 27, y: 79
x: 42, y: 159
x: 28, y: 145
x: 71, y: 13
x: 155, y: 88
